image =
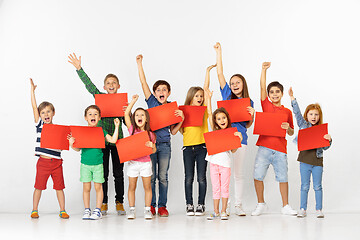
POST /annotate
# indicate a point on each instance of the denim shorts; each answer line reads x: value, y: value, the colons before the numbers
x: 266, y: 156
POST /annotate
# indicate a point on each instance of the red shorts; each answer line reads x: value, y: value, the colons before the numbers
x: 46, y: 168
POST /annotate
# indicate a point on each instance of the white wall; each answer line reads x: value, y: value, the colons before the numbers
x: 313, y: 47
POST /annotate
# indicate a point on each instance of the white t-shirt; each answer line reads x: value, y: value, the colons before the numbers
x: 222, y: 159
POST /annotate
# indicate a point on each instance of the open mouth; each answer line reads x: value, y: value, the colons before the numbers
x: 93, y: 121
x: 199, y: 102
x: 162, y: 97
x: 47, y: 119
x: 236, y: 89
x: 111, y: 89
x: 140, y: 121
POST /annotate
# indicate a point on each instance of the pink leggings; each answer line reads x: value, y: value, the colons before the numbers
x: 220, y: 180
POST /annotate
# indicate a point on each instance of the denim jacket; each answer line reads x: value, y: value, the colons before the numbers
x: 304, y: 124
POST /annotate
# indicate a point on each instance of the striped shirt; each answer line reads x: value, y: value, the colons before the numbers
x: 53, y: 153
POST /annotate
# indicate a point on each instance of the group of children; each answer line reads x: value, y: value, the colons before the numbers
x: 95, y: 162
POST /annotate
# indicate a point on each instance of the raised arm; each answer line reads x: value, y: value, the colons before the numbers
x: 128, y: 111
x: 144, y: 85
x: 219, y: 65
x: 208, y: 95
x: 76, y: 62
x: 263, y: 92
x: 33, y: 101
x: 207, y: 77
x: 114, y: 137
x: 296, y: 110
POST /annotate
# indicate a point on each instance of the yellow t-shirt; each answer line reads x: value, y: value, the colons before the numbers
x: 195, y: 135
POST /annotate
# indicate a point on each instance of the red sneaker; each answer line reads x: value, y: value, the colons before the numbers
x: 163, y: 212
x: 152, y: 210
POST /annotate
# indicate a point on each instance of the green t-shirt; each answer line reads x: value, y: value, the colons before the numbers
x: 92, y: 156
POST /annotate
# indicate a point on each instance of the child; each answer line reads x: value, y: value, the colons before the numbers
x: 311, y: 161
x: 91, y: 168
x: 220, y: 171
x: 161, y: 158
x: 111, y: 86
x: 272, y: 150
x: 49, y: 162
x: 194, y: 151
x: 138, y: 122
x: 237, y: 89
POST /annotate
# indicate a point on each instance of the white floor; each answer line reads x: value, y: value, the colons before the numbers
x: 178, y: 226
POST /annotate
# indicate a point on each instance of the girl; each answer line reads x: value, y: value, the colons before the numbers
x: 220, y: 163
x: 138, y: 122
x: 311, y: 161
x: 194, y: 151
x: 237, y: 89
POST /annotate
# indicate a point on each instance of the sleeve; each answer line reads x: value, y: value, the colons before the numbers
x: 92, y: 89
x: 265, y: 105
x: 299, y: 118
x: 251, y: 103
x: 225, y: 92
x: 152, y: 101
x: 130, y: 129
x: 290, y: 119
x: 326, y: 148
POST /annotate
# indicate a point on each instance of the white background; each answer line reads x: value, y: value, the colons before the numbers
x: 313, y: 47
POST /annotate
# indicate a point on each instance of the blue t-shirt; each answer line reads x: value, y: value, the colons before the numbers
x: 241, y: 126
x: 162, y: 134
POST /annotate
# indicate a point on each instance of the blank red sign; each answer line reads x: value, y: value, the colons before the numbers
x: 237, y: 109
x: 88, y: 137
x: 313, y: 137
x: 269, y: 124
x: 111, y: 105
x: 221, y: 140
x: 55, y: 137
x: 133, y: 147
x: 163, y: 116
x: 194, y: 115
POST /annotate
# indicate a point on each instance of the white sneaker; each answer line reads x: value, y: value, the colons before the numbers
x: 131, y: 214
x: 301, y: 213
x: 319, y: 214
x: 213, y: 216
x: 239, y: 211
x: 228, y: 207
x: 260, y: 209
x: 96, y: 214
x: 147, y: 213
x: 287, y: 210
x: 87, y: 214
x: 224, y: 216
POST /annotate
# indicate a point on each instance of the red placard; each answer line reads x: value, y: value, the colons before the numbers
x: 88, y: 137
x: 55, y: 137
x: 133, y: 147
x: 237, y: 109
x: 163, y: 116
x: 269, y: 124
x: 313, y: 137
x: 111, y: 105
x: 194, y: 115
x: 221, y: 140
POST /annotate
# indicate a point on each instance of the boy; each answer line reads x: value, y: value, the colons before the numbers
x: 272, y: 150
x: 92, y: 164
x: 111, y: 86
x: 50, y: 162
x: 161, y: 158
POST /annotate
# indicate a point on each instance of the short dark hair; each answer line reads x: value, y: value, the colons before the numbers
x: 161, y: 82
x: 44, y: 105
x: 275, y: 84
x: 92, y: 107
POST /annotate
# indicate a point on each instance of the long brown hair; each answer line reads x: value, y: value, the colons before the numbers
x: 220, y: 110
x: 311, y: 107
x: 191, y: 93
x: 147, y: 123
x: 245, y: 91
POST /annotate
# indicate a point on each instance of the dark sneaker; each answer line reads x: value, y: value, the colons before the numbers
x: 200, y: 210
x: 190, y: 210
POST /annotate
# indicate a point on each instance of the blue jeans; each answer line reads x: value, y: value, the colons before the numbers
x: 305, y: 172
x: 191, y: 155
x: 160, y: 165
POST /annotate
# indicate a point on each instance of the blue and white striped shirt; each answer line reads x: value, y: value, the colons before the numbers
x: 53, y: 153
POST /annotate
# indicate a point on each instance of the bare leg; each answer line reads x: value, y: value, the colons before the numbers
x: 216, y: 205
x: 224, y: 202
x: 86, y: 194
x: 131, y: 191
x: 284, y: 191
x: 99, y: 194
x: 36, y: 198
x: 61, y: 199
x: 148, y: 191
x: 259, y: 188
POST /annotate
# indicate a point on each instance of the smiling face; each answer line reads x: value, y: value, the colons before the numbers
x: 198, y: 98
x: 313, y: 116
x: 140, y: 119
x: 221, y: 120
x: 92, y: 117
x: 47, y: 114
x: 111, y: 85
x: 236, y: 86
x: 162, y: 93
x: 275, y: 95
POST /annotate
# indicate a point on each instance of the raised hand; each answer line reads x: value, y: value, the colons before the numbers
x: 117, y: 122
x: 76, y: 62
x: 291, y: 93
x: 139, y: 58
x: 135, y: 97
x: 266, y: 65
x: 210, y: 67
x: 327, y: 137
x: 33, y: 86
x: 217, y: 47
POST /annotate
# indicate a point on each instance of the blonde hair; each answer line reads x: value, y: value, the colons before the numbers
x: 191, y: 93
x: 311, y: 107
